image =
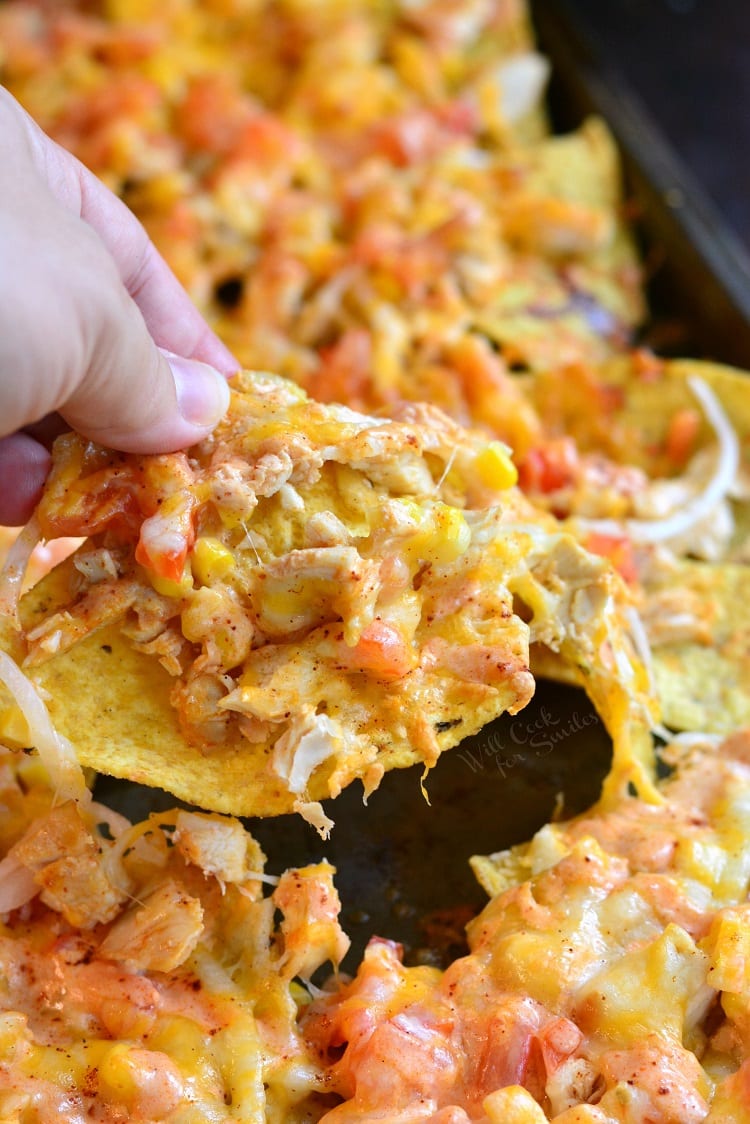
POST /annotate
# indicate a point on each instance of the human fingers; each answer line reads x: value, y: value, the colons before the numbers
x: 171, y: 318
x: 24, y: 464
x: 74, y: 340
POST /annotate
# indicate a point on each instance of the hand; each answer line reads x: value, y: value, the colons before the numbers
x: 84, y: 301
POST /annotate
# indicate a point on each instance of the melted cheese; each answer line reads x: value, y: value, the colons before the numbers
x: 150, y: 1014
x: 607, y: 978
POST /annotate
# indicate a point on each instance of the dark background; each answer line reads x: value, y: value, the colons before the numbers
x: 689, y: 63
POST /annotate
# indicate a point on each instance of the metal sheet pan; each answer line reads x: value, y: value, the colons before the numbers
x: 403, y: 863
x: 700, y: 271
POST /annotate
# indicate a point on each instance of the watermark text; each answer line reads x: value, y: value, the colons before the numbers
x: 538, y: 736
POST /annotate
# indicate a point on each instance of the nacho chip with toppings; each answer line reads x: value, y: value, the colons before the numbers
x: 308, y: 597
x: 658, y: 479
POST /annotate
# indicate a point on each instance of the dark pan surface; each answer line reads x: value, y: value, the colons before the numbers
x: 700, y: 269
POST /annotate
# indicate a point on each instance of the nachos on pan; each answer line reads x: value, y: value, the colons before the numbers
x: 605, y: 981
x: 366, y: 201
x: 144, y: 976
x: 363, y: 198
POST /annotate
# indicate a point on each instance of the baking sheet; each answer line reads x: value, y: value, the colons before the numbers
x: 699, y: 270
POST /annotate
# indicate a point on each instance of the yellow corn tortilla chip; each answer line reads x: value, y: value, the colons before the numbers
x: 693, y: 589
x: 704, y: 682
x: 700, y: 650
x: 565, y: 209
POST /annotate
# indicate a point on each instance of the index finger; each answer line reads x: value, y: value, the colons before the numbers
x: 171, y: 318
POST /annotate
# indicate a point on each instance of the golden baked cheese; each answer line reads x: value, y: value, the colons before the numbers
x: 606, y: 983
x: 143, y: 976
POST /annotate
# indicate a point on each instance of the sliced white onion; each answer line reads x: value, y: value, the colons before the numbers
x: 624, y: 667
x: 117, y: 823
x: 15, y: 566
x: 688, y: 738
x: 56, y: 752
x: 701, y: 505
x: 17, y: 885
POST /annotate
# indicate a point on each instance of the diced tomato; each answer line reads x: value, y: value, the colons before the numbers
x: 344, y: 369
x: 647, y: 366
x: 382, y: 651
x: 682, y: 435
x: 213, y: 114
x: 558, y: 1039
x: 549, y: 467
x: 166, y: 537
x: 422, y: 133
x: 618, y: 549
x: 266, y: 140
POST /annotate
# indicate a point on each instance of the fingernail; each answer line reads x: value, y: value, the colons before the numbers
x: 202, y: 393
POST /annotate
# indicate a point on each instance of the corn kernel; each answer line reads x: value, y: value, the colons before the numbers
x: 728, y: 945
x: 118, y: 1077
x: 168, y: 588
x: 387, y: 286
x: 512, y: 1105
x: 495, y: 468
x: 452, y: 534
x: 416, y: 67
x: 15, y: 1037
x: 163, y: 191
x: 211, y: 560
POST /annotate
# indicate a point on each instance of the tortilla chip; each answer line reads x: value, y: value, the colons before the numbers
x: 691, y: 588
x: 703, y: 681
x: 310, y: 597
x: 565, y: 210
